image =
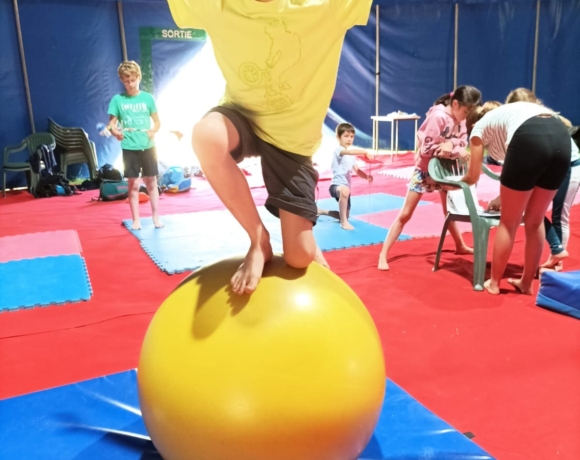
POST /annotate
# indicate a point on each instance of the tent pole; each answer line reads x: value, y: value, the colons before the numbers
x: 122, y: 30
x: 377, y: 77
x: 536, y: 41
x: 23, y: 64
x: 455, y: 46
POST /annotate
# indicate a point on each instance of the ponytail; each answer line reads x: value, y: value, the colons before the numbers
x: 465, y: 95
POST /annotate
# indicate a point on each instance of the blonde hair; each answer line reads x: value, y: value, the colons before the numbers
x: 478, y: 112
x: 522, y: 95
x: 128, y: 68
x: 525, y: 95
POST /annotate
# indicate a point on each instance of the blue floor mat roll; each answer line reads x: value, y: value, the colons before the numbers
x: 560, y: 292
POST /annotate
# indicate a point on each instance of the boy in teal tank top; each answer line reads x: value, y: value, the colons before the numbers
x: 130, y: 115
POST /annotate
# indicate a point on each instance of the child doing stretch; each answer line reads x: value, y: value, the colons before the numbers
x: 442, y: 134
x: 536, y: 148
x: 280, y: 60
x: 343, y: 164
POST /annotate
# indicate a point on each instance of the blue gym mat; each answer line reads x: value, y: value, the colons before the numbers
x: 367, y: 204
x: 560, y: 292
x: 330, y: 236
x: 189, y: 241
x: 43, y: 281
x: 100, y: 419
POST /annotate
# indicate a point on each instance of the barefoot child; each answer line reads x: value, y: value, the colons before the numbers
x: 442, y: 134
x: 536, y: 148
x: 280, y: 61
x: 343, y: 164
x: 134, y: 110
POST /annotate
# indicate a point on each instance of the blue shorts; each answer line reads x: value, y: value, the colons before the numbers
x: 334, y: 193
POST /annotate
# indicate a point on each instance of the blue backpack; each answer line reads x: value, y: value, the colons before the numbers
x: 174, y: 180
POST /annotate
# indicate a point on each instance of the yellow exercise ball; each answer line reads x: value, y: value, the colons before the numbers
x: 294, y: 371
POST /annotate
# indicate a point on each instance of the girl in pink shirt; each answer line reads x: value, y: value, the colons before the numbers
x: 442, y: 134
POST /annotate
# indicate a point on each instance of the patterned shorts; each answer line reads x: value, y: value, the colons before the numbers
x: 421, y: 182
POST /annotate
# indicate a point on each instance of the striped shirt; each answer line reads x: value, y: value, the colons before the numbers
x: 498, y: 126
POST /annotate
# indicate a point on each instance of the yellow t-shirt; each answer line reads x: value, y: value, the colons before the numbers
x: 279, y: 59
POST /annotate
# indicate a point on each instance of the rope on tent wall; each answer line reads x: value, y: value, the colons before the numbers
x: 377, y: 91
x: 455, y: 46
x: 23, y: 63
x: 536, y: 42
x: 377, y: 77
x: 122, y: 30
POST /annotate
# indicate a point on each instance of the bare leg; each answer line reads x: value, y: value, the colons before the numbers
x: 298, y: 242
x: 513, y: 204
x: 319, y: 257
x: 460, y: 246
x: 134, y: 202
x: 333, y: 214
x: 214, y: 137
x: 153, y: 191
x: 343, y: 210
x: 411, y: 201
x: 535, y: 234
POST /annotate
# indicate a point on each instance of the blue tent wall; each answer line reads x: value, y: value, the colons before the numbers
x: 73, y: 48
x: 14, y: 124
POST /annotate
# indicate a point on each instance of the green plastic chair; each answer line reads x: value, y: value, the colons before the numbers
x: 29, y: 144
x: 440, y: 170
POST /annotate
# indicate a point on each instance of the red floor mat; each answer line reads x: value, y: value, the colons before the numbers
x: 496, y: 366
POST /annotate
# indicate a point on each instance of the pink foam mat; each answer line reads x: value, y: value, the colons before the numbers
x: 427, y: 221
x: 42, y: 244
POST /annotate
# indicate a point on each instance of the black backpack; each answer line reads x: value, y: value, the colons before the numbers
x: 53, y: 185
x: 107, y: 172
x: 43, y: 156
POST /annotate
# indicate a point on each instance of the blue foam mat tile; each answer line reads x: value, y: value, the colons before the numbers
x: 330, y: 236
x: 192, y: 240
x: 368, y: 204
x: 44, y: 281
x: 100, y: 419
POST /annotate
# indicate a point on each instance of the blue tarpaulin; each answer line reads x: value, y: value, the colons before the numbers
x: 73, y: 48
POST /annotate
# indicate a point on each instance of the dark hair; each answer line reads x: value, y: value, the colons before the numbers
x: 344, y: 128
x: 522, y: 95
x: 465, y: 95
x: 477, y: 114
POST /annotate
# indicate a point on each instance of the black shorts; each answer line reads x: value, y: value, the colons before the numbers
x: 334, y: 193
x: 537, y: 156
x: 142, y: 162
x: 290, y: 178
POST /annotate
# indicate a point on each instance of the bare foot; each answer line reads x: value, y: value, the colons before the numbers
x: 319, y: 257
x: 493, y: 289
x: 248, y: 275
x: 555, y: 259
x: 383, y: 265
x: 346, y: 225
x: 520, y: 288
x: 464, y: 250
x: 136, y: 225
x: 158, y: 223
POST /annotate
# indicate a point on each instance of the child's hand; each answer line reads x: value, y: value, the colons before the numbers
x: 494, y: 205
x: 151, y: 134
x: 117, y: 133
x: 370, y: 156
x: 445, y: 150
x: 370, y: 179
